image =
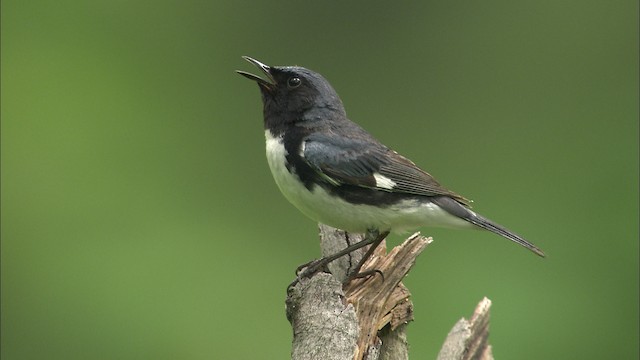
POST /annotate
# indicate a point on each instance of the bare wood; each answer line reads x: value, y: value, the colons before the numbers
x: 380, y: 303
x: 367, y: 317
x: 324, y: 325
x: 332, y: 241
x: 395, y: 343
x: 469, y: 339
x: 377, y: 310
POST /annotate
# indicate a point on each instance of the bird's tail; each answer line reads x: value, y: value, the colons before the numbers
x: 487, y: 224
x: 457, y: 209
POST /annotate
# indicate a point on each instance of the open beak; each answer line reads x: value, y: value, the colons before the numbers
x: 267, y: 84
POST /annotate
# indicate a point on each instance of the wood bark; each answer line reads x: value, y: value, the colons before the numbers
x: 366, y: 318
x: 469, y: 339
x: 363, y: 319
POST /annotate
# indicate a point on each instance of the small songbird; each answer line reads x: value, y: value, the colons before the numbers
x: 338, y: 174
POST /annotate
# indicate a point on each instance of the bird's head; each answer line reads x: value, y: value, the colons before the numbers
x: 294, y: 94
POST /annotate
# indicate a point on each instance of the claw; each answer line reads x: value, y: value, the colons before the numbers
x: 364, y: 274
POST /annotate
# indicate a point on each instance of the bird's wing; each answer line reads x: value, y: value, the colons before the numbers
x: 365, y: 162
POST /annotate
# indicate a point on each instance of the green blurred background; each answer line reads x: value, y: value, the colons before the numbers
x: 140, y: 220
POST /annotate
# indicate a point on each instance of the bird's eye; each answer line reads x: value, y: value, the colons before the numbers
x: 294, y: 82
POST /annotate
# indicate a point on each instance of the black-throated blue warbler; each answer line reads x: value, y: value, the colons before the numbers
x: 338, y: 174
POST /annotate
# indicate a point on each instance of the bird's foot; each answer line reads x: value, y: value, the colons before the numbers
x: 373, y: 238
x: 309, y: 269
x: 363, y: 274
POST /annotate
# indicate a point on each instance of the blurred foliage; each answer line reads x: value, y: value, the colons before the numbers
x: 139, y: 218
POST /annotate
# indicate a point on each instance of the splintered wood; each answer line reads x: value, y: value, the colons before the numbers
x: 382, y: 300
x: 469, y: 339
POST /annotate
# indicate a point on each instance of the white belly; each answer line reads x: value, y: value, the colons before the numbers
x: 333, y: 211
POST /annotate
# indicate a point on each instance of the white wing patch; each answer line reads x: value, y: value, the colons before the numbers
x: 384, y: 182
x: 331, y: 210
x: 302, y: 146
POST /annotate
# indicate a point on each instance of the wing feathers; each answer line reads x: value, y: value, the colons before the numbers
x: 367, y: 163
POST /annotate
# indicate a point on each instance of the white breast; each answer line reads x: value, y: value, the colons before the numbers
x: 288, y: 183
x: 333, y: 211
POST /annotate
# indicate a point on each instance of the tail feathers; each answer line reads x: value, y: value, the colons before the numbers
x: 457, y: 209
x: 497, y: 229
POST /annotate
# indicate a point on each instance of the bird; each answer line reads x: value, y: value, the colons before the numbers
x: 338, y: 174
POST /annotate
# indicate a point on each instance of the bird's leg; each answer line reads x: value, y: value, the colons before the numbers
x: 377, y: 239
x: 312, y: 267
